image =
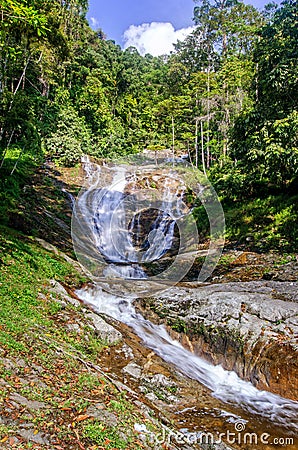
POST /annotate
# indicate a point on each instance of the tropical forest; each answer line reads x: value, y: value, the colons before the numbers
x: 91, y: 359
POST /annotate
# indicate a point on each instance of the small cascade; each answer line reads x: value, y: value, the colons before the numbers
x: 71, y: 197
x: 224, y: 385
x: 88, y: 167
x: 161, y: 233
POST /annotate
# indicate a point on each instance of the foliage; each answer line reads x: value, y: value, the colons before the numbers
x: 101, y: 435
x: 265, y: 135
x: 270, y: 222
x: 229, y: 181
x: 272, y: 152
x: 71, y: 139
x: 227, y: 95
x: 11, y: 186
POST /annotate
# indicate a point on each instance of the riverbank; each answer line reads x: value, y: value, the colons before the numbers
x: 75, y: 379
x: 250, y: 328
x: 59, y: 389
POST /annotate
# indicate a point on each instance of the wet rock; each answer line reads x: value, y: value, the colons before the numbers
x: 104, y: 330
x: 159, y: 387
x: 152, y: 397
x: 127, y: 351
x: 248, y: 327
x: 162, y: 381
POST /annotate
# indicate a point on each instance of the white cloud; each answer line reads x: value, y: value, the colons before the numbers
x: 156, y: 38
x: 94, y: 22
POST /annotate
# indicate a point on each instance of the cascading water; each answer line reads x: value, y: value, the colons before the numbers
x: 107, y: 218
x: 225, y: 385
x: 107, y: 228
x: 111, y: 241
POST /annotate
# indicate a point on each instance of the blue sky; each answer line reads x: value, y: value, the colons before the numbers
x: 116, y: 16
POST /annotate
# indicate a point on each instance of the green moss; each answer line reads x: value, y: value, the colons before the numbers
x: 216, y: 336
x: 178, y: 325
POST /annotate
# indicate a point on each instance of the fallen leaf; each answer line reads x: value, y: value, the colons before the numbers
x: 82, y: 417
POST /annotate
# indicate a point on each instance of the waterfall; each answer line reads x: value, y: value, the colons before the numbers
x: 108, y: 218
x: 121, y: 222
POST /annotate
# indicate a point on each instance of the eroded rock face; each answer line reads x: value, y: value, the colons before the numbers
x: 249, y: 327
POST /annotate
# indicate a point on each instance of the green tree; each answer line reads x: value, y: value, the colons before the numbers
x: 265, y: 135
x: 71, y: 139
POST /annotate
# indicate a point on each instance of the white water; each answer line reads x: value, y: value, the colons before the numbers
x: 103, y: 224
x: 225, y: 385
x: 108, y: 217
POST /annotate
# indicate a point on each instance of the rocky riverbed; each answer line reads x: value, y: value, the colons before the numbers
x: 248, y: 327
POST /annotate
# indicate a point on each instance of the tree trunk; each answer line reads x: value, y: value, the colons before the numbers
x: 16, y: 163
x: 208, y: 114
x: 196, y: 144
x: 202, y: 149
x: 8, y: 144
x: 14, y: 91
x: 173, y: 137
x: 21, y: 78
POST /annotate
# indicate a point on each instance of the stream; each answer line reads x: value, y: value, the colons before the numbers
x: 112, y: 245
x: 224, y: 385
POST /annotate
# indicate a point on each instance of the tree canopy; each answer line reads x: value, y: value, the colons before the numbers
x: 227, y: 95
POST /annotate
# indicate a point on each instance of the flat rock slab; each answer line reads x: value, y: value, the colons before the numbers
x: 248, y: 327
x: 99, y: 411
x: 31, y: 435
x: 31, y: 404
x: 134, y: 370
x: 250, y: 307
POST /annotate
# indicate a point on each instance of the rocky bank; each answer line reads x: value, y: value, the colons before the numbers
x: 248, y: 327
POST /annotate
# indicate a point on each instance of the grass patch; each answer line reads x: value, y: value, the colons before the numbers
x: 261, y: 224
x: 264, y: 223
x: 101, y: 435
x: 25, y: 271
